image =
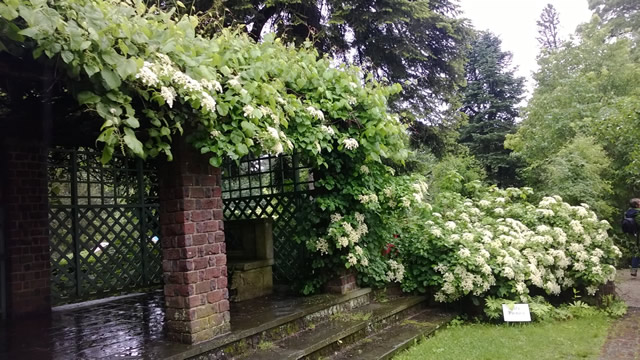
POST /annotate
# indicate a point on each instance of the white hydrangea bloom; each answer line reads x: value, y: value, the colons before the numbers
x: 168, y: 94
x: 328, y: 130
x: 368, y: 198
x: 343, y: 241
x: 208, y: 102
x: 235, y: 82
x: 186, y: 82
x: 315, y: 113
x: 322, y: 246
x: 211, y: 85
x: 350, y: 143
x: 248, y: 112
x: 464, y: 253
x: 147, y: 75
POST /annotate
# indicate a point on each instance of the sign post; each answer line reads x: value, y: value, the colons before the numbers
x: 516, y: 312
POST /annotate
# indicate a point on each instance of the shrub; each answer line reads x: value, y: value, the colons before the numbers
x: 500, y: 244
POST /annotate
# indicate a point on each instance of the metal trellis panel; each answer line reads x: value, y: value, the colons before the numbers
x: 276, y: 187
x: 104, y: 228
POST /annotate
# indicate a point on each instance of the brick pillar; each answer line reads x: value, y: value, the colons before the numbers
x: 25, y: 202
x: 193, y: 249
x: 343, y: 282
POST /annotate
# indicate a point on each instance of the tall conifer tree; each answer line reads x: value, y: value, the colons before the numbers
x: 491, y: 103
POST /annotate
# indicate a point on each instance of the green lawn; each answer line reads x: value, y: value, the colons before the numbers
x: 571, y: 339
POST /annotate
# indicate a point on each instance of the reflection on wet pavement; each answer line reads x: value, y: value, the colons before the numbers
x: 109, y: 329
x: 130, y: 328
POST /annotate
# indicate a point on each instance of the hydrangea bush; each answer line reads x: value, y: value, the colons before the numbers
x: 494, y: 243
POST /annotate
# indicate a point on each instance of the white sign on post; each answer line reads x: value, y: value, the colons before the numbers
x: 516, y: 312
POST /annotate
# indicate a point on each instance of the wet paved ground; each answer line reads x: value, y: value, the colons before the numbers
x: 104, y: 330
x: 127, y: 328
x: 623, y: 341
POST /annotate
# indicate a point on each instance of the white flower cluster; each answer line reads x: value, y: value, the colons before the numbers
x: 368, y: 198
x: 395, y: 272
x: 420, y: 191
x: 410, y: 194
x: 346, y: 233
x: 350, y: 143
x: 315, y: 113
x: 322, y: 246
x: 164, y: 77
x: 274, y: 141
x: 173, y: 83
x: 328, y: 130
x: 554, y: 254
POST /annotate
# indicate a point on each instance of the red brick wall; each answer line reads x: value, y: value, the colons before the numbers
x: 24, y: 188
x: 194, y: 255
x: 343, y: 283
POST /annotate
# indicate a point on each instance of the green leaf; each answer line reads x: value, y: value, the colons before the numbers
x: 248, y: 128
x: 127, y: 67
x: 67, y: 56
x: 242, y: 149
x: 29, y: 32
x: 38, y: 3
x: 37, y: 52
x: 111, y: 79
x: 132, y: 142
x: 215, y: 161
x: 132, y: 122
x: 7, y: 12
x: 90, y: 69
x: 107, y: 154
x: 87, y: 97
x: 223, y: 109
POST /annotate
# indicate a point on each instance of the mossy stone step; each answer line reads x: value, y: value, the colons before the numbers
x: 260, y: 321
x: 341, y: 330
x: 390, y: 341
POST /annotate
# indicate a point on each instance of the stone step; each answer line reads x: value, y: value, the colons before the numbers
x: 342, y: 329
x: 257, y: 321
x: 388, y: 342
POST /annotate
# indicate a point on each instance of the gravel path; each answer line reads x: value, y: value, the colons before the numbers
x: 623, y: 342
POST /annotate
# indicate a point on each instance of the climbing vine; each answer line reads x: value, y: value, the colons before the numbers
x: 150, y: 78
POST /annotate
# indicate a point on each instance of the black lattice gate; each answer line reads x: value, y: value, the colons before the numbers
x: 271, y: 187
x: 103, y: 220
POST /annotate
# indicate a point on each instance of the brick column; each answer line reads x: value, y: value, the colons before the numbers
x: 193, y: 249
x: 25, y: 202
x: 344, y: 282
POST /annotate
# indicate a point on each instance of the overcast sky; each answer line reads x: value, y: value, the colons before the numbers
x: 514, y: 21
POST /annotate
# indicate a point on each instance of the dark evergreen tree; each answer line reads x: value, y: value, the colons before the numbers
x: 548, y: 28
x: 622, y: 16
x: 419, y: 44
x: 490, y: 101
